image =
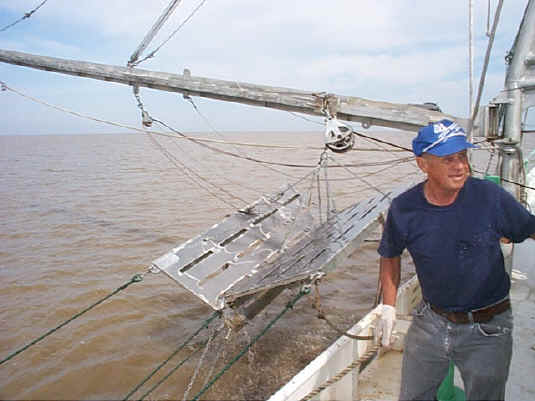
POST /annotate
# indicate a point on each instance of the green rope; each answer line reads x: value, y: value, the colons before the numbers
x: 172, y: 371
x: 204, y: 325
x: 289, y: 306
x: 137, y: 278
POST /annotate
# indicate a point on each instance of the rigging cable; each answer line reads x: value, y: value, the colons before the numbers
x: 297, y: 115
x: 205, y: 324
x: 190, y: 171
x: 304, y: 291
x: 199, y: 141
x: 153, y: 53
x: 5, y: 87
x: 230, y: 153
x: 361, y: 179
x: 215, y: 173
x: 326, y: 179
x: 295, y: 165
x: 135, y: 279
x: 221, y: 354
x: 207, y: 121
x: 382, y: 141
x: 470, y: 57
x: 147, y: 121
x: 154, y: 30
x: 199, y: 364
x: 25, y: 16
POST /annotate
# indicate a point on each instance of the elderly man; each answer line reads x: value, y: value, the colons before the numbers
x: 452, y: 224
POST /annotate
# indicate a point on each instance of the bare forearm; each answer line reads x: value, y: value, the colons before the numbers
x: 390, y: 275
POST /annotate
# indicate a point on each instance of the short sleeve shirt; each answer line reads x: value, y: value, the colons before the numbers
x: 456, y: 248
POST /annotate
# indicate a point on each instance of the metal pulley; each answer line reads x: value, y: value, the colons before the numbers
x: 338, y: 136
x: 146, y: 119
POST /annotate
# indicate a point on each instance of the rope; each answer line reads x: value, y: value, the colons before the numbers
x: 184, y: 136
x: 161, y: 365
x: 369, y: 184
x: 401, y: 147
x: 135, y: 279
x: 199, y: 140
x: 212, y: 128
x: 321, y: 315
x: 509, y: 181
x: 289, y: 305
x: 305, y: 118
x: 190, y: 172
x: 364, y: 358
x: 25, y: 16
x: 382, y: 141
x: 163, y: 379
x: 233, y: 154
x: 4, y: 87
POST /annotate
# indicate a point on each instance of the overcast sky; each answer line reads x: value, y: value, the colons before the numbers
x: 403, y: 51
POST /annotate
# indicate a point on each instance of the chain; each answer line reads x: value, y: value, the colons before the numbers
x: 220, y: 355
x: 199, y: 364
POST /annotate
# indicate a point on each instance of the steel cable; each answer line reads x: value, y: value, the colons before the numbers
x: 25, y: 16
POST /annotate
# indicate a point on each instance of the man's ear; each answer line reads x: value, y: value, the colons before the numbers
x: 422, y: 163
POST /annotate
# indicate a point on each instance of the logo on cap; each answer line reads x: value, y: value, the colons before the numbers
x: 440, y: 138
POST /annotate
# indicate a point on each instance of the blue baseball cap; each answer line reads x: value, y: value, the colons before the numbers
x: 440, y: 138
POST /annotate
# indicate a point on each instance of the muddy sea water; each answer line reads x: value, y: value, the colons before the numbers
x: 81, y: 214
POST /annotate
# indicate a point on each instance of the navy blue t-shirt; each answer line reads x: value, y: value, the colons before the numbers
x: 456, y: 248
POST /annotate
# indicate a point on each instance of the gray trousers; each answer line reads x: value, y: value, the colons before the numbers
x: 481, y: 352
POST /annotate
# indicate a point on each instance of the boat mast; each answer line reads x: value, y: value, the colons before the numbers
x: 367, y: 112
x: 519, y: 82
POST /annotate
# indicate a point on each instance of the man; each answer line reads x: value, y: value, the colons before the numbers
x: 452, y: 224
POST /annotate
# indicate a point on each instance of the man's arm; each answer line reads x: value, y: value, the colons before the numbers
x: 390, y: 276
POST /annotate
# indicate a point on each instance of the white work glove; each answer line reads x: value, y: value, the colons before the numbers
x: 386, y: 324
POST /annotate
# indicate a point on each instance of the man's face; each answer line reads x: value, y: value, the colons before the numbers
x: 448, y: 173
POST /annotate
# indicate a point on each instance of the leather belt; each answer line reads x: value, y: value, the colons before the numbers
x: 478, y: 316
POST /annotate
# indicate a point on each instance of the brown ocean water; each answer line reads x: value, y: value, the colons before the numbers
x: 82, y: 214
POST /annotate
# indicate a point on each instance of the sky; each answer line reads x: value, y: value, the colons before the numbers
x: 401, y: 51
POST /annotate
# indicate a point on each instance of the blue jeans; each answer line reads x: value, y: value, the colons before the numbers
x: 481, y: 352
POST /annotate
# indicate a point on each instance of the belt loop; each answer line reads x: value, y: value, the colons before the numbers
x: 471, y: 317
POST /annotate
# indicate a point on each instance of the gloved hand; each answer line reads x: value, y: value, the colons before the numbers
x: 386, y: 324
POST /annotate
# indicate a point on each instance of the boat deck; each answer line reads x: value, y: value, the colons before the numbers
x: 519, y: 386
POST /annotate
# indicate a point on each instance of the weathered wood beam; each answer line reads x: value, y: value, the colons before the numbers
x: 368, y: 112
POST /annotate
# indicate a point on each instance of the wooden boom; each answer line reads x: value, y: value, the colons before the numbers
x: 367, y: 112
